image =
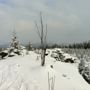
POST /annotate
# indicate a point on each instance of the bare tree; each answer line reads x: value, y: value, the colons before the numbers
x: 42, y: 33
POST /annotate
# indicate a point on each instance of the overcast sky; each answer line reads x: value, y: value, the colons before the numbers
x: 68, y: 20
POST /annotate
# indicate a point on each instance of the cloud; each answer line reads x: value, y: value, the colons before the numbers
x: 23, y: 25
x: 64, y: 19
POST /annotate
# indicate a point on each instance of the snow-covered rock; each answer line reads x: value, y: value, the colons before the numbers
x: 59, y: 55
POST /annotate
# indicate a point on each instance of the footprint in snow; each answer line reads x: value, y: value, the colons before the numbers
x: 65, y: 76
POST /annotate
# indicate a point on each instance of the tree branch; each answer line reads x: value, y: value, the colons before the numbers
x: 46, y: 35
x: 38, y: 32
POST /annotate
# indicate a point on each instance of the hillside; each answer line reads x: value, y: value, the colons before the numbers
x: 25, y: 73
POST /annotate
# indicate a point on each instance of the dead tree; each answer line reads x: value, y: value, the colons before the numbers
x: 42, y: 33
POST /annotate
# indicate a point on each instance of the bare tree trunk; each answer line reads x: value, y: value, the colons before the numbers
x: 43, y: 57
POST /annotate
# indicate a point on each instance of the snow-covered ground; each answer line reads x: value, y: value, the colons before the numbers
x: 25, y: 73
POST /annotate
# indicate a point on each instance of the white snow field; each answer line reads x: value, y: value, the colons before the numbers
x: 26, y: 73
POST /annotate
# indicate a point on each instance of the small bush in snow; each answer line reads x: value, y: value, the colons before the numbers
x: 84, y: 69
x: 81, y: 66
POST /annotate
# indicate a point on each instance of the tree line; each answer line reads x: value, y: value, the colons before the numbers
x: 82, y: 45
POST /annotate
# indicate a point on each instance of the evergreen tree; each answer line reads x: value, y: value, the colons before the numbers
x: 29, y: 46
x: 14, y: 46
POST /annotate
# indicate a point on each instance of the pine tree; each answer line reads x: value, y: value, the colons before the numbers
x: 14, y: 46
x: 29, y: 46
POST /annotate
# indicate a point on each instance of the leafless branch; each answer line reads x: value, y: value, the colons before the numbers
x: 46, y: 35
x: 38, y: 32
x: 41, y: 21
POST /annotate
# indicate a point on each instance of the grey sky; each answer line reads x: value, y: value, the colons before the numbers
x: 68, y: 20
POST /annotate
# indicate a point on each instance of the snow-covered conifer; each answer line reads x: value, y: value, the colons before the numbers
x: 15, y: 45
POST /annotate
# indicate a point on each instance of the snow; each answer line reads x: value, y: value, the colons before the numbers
x: 6, y: 51
x: 25, y: 73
